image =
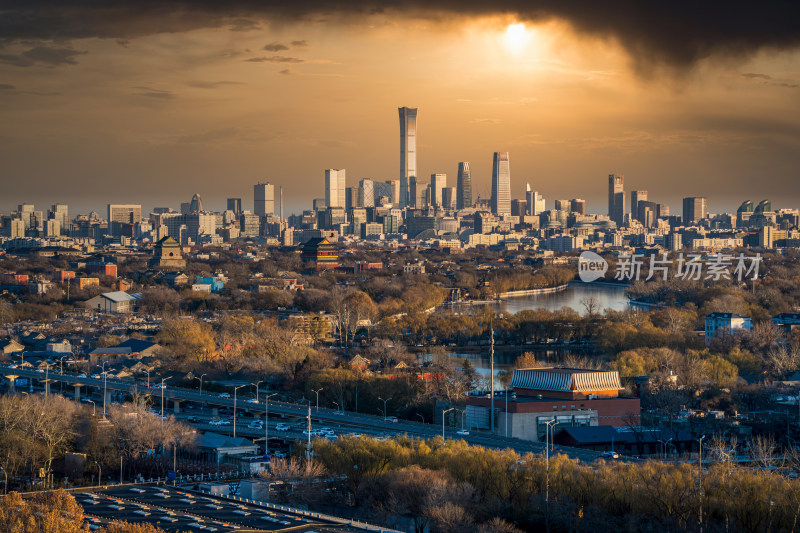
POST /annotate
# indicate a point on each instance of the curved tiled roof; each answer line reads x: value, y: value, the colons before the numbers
x: 565, y: 380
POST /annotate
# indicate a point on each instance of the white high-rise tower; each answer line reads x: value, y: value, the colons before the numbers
x: 501, y: 184
x: 335, y: 187
x: 408, y: 151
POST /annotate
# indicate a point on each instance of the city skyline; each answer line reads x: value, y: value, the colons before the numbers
x: 152, y: 113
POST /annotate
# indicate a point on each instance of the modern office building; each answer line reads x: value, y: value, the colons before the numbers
x: 616, y: 198
x: 695, y: 209
x: 408, y: 152
x: 196, y: 205
x: 438, y: 184
x: 636, y: 197
x: 235, y: 205
x: 534, y: 201
x: 394, y: 186
x: 463, y: 186
x: 60, y: 213
x: 366, y: 193
x: 122, y: 217
x: 264, y: 199
x: 501, y: 184
x: 335, y: 187
x: 577, y: 205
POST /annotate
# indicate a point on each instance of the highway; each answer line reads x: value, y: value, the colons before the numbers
x: 350, y: 422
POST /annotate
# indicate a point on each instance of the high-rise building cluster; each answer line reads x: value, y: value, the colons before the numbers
x: 442, y: 211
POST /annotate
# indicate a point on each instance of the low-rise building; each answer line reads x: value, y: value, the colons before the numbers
x: 719, y: 324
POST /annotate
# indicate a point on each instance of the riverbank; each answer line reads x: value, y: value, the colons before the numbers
x: 513, y: 294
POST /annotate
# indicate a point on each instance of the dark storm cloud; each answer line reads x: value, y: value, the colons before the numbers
x: 42, y: 55
x: 677, y: 33
x: 7, y: 87
x: 300, y: 44
x: 274, y: 59
x: 275, y: 47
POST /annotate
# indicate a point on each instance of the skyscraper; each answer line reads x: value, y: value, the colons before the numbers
x: 122, y: 217
x: 235, y: 205
x: 395, y: 190
x: 408, y: 151
x: 334, y: 187
x: 264, y: 199
x: 636, y: 197
x: 60, y: 212
x: 695, y: 209
x: 463, y: 186
x: 616, y: 198
x: 534, y: 201
x: 196, y: 204
x: 501, y: 184
x: 578, y: 205
x: 366, y: 193
x: 438, y: 184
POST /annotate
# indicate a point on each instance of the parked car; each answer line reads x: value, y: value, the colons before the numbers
x: 609, y: 455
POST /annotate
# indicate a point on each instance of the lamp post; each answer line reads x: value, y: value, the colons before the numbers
x: 99, y: 472
x: 317, y: 391
x: 46, y: 379
x: 421, y: 417
x: 94, y: 407
x: 338, y: 409
x: 162, y: 396
x: 384, y: 406
x: 700, y: 481
x: 444, y: 413
x: 202, y: 404
x: 266, y: 421
x: 235, y: 390
x: 256, y: 384
x: 547, y: 460
x: 105, y: 390
x: 61, y: 382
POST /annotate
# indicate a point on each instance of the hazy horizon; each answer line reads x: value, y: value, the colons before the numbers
x: 152, y: 102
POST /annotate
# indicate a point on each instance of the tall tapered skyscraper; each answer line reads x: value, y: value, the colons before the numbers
x: 463, y: 186
x: 408, y: 151
x: 501, y: 184
x: 616, y: 198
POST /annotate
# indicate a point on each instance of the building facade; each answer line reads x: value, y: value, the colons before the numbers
x: 408, y: 151
x: 501, y: 184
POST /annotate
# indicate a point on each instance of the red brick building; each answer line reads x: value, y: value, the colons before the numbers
x: 571, y: 397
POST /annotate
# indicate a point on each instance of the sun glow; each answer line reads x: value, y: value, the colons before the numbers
x: 517, y: 38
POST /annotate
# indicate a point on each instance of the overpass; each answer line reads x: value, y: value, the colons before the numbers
x: 373, y: 423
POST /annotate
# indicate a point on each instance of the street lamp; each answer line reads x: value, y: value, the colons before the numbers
x: 384, y: 406
x: 317, y: 393
x: 202, y: 404
x: 162, y: 396
x: 421, y: 417
x: 443, y: 413
x: 700, y: 481
x: 99, y: 472
x: 105, y: 390
x: 256, y: 384
x: 266, y: 421
x: 547, y: 460
x: 94, y: 407
x: 235, y: 389
x: 338, y: 409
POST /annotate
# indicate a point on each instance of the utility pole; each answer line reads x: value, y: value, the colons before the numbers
x: 491, y: 379
x: 267, y: 396
x: 308, y: 444
x: 700, y: 484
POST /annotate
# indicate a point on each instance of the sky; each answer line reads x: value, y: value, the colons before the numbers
x: 151, y: 101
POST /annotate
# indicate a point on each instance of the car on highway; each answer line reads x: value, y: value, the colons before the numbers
x: 215, y: 422
x: 464, y: 432
x: 392, y: 419
x: 282, y: 427
x: 252, y: 400
x: 355, y: 435
x: 278, y: 453
x: 256, y: 424
x: 339, y: 413
x: 225, y: 395
x: 192, y: 419
x: 609, y: 455
x: 79, y: 375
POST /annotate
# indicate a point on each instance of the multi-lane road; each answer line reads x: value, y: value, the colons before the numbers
x: 349, y: 422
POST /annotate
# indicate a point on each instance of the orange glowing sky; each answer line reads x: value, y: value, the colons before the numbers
x: 159, y: 116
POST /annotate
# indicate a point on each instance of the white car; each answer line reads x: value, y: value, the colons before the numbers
x: 215, y: 422
x: 282, y: 427
x: 609, y: 455
x: 463, y: 432
x: 339, y: 413
x: 252, y: 400
x: 257, y: 424
x: 225, y: 395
